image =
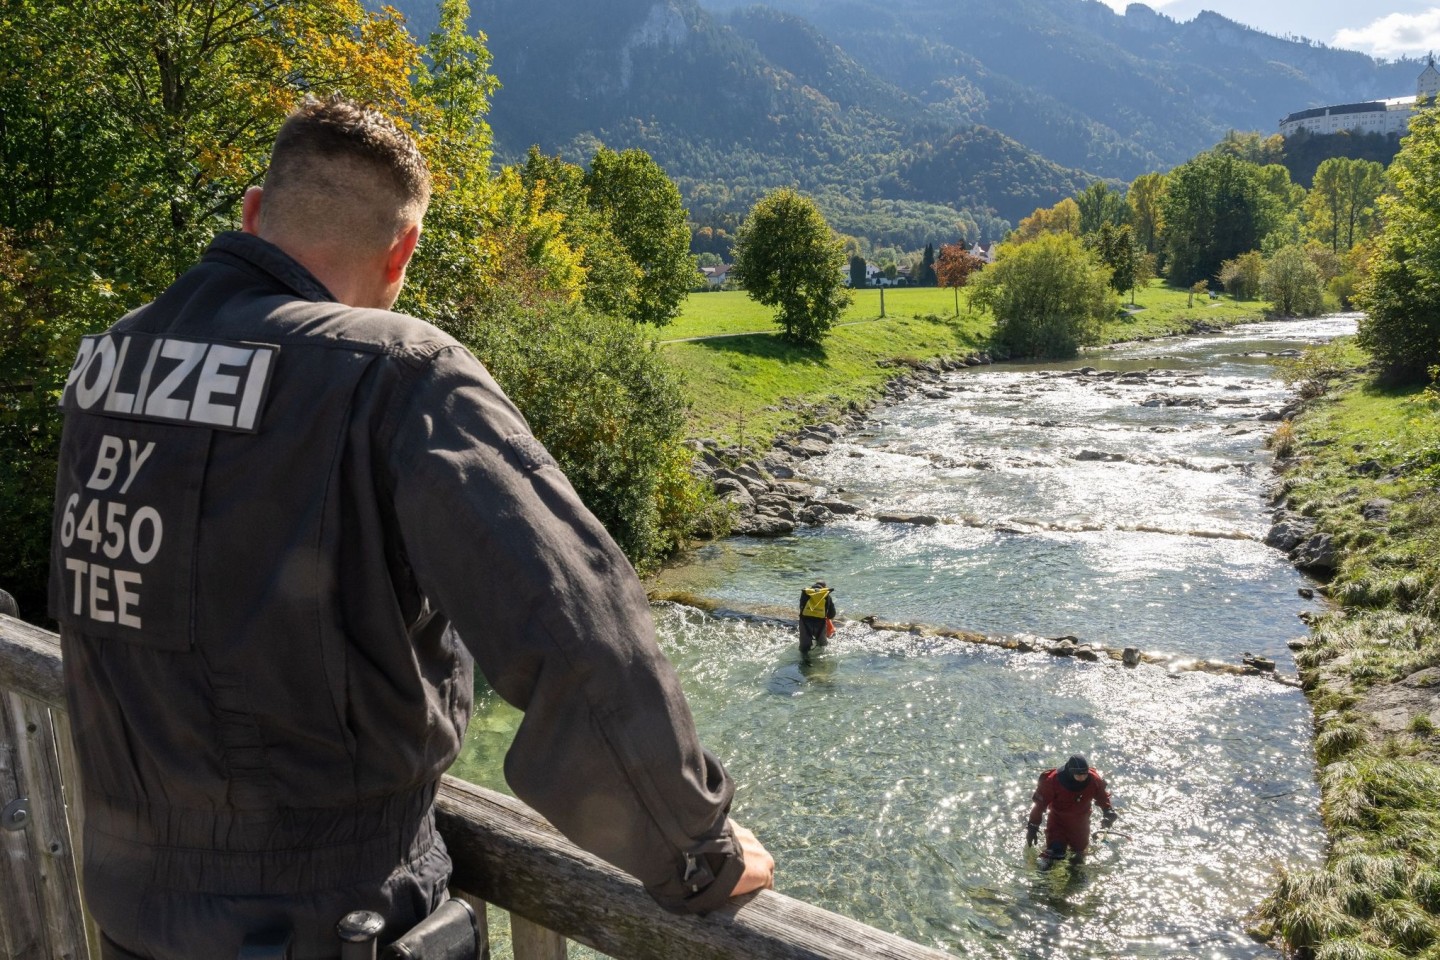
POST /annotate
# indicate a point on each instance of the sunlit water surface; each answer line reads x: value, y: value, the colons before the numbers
x: 891, y: 775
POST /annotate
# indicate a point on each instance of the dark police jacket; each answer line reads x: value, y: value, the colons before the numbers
x: 277, y: 519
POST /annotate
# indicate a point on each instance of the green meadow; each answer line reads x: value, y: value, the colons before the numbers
x: 748, y: 384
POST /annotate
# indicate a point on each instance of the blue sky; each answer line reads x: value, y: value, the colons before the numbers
x: 1388, y: 28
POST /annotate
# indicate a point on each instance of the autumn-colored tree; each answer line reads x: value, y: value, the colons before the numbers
x: 955, y: 266
x: 1064, y: 217
x: 1144, y: 199
x: 130, y: 131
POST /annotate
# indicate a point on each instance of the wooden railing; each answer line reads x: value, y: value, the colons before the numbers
x: 504, y: 853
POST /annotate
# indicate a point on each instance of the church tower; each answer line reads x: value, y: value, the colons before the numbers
x: 1428, y: 86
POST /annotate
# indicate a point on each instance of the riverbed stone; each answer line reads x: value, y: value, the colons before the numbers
x: 808, y: 447
x: 837, y: 505
x: 730, y: 488
x: 918, y: 519
x: 815, y: 514
x: 1289, y: 531
x: 1317, y: 554
x: 1377, y: 510
x: 763, y: 525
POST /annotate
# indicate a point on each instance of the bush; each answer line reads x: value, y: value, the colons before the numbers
x: 1049, y: 296
x: 1293, y: 284
x: 599, y: 397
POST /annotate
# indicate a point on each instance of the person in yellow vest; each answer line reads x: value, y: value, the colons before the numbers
x: 817, y: 607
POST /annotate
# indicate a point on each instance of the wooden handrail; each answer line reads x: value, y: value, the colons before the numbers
x: 507, y: 854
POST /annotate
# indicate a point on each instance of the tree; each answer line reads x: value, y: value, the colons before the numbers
x: 1341, y: 207
x: 1100, y: 206
x: 857, y: 271
x: 1401, y: 298
x: 1145, y: 198
x: 1064, y: 217
x: 925, y: 270
x: 1213, y: 210
x: 625, y: 219
x: 1292, y: 283
x: 955, y: 267
x: 1241, y: 276
x: 1116, y: 249
x: 787, y: 257
x: 1049, y: 296
x: 128, y: 134
x: 643, y: 209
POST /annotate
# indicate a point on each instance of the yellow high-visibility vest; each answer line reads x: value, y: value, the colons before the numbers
x: 815, y: 602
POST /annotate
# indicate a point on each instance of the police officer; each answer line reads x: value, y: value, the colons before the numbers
x: 1067, y: 794
x: 286, y: 520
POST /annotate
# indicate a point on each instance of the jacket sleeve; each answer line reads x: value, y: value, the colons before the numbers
x: 1040, y: 800
x: 830, y: 604
x: 560, y: 626
x: 1102, y: 790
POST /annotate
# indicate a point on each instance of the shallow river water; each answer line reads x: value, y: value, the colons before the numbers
x: 891, y: 775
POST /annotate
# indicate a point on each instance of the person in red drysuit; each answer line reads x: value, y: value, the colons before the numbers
x: 1068, y: 793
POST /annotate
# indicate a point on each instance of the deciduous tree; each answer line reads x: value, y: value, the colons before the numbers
x: 955, y: 267
x: 1144, y: 198
x: 1064, y: 217
x: 1292, y: 283
x: 1049, y: 296
x: 1099, y: 207
x: 1214, y: 210
x: 787, y: 257
x: 1401, y: 299
x: 1341, y: 207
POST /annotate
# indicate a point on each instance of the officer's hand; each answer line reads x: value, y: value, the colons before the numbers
x: 759, y: 865
x: 1032, y: 833
x: 1108, y: 817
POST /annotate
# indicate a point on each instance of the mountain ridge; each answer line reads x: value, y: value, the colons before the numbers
x: 955, y: 116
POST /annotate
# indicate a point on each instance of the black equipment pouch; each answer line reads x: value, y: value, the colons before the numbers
x: 450, y: 933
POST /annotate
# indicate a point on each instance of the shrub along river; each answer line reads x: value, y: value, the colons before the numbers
x: 891, y: 775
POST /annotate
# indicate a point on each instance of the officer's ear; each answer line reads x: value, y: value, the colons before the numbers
x: 398, y: 257
x: 250, y: 211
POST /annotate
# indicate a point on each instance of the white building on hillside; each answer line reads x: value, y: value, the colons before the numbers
x: 1372, y: 116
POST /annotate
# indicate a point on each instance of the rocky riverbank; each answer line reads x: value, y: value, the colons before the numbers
x: 768, y: 492
x: 1358, y: 503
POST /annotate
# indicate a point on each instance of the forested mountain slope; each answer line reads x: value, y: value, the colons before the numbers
x: 909, y: 120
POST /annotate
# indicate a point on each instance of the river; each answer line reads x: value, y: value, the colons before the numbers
x: 891, y: 775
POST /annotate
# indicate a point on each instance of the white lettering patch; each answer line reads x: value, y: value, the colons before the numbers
x: 140, y: 376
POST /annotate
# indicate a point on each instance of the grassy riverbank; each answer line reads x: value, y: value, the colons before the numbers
x: 1364, y: 463
x: 749, y: 387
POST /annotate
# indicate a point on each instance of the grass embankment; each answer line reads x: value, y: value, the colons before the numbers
x: 747, y: 389
x: 1365, y: 465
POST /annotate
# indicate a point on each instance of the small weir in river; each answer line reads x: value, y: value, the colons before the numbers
x: 891, y: 775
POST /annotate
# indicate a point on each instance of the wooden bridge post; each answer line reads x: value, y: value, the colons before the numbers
x: 49, y: 863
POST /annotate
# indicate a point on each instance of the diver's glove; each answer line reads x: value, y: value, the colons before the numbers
x: 1032, y: 833
x: 1108, y: 816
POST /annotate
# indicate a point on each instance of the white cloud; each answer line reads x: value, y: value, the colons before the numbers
x: 1395, y: 35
